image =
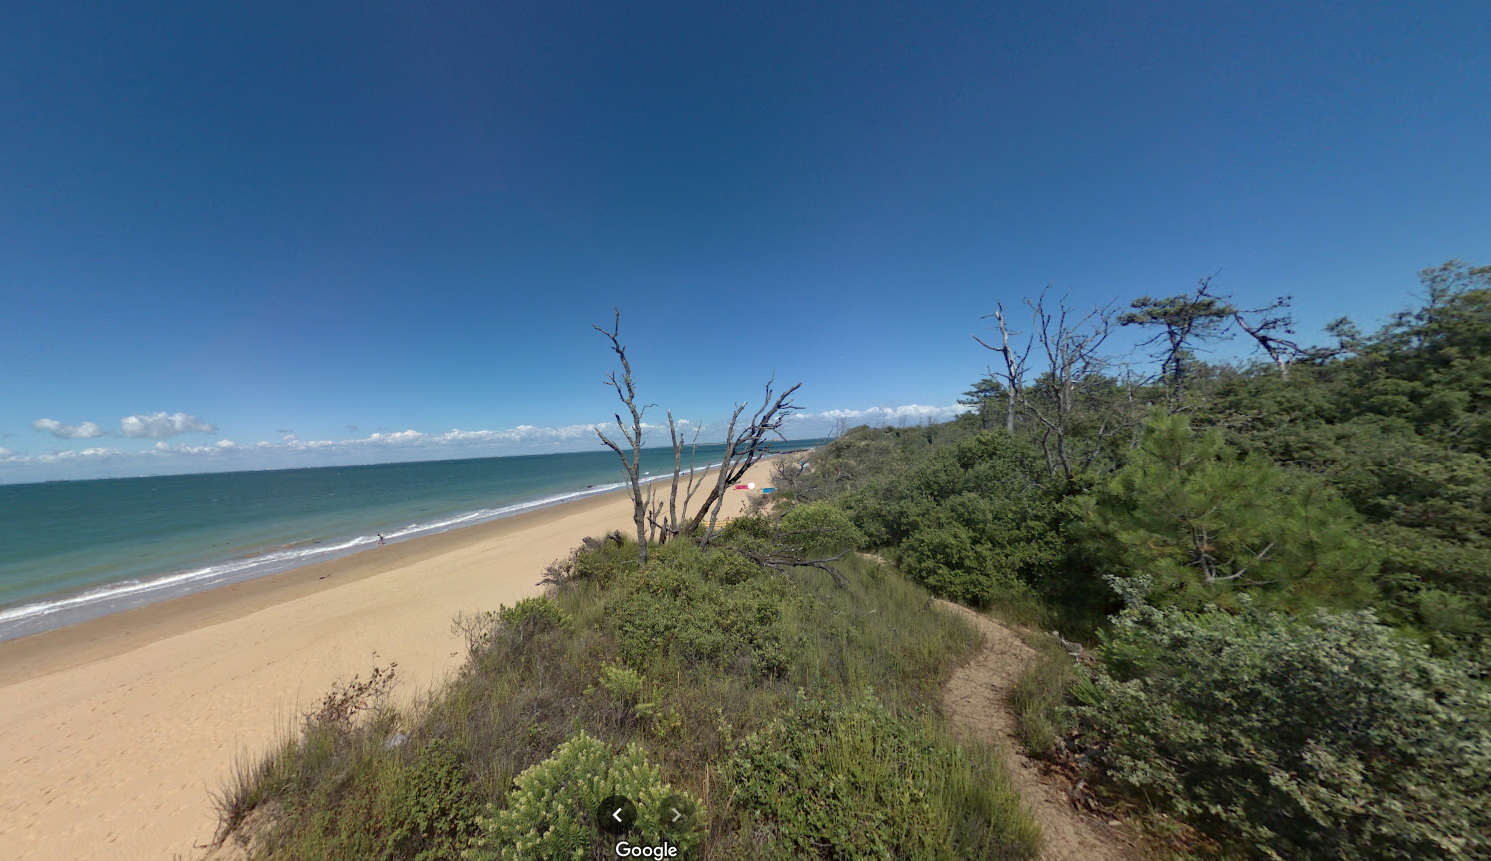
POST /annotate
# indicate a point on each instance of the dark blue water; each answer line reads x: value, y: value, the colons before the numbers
x: 79, y: 549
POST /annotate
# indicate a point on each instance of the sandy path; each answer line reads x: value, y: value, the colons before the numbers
x: 975, y: 700
x: 115, y: 731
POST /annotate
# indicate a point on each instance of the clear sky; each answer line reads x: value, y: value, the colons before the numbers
x: 346, y: 230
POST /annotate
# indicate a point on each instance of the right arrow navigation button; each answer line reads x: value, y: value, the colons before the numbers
x: 679, y: 813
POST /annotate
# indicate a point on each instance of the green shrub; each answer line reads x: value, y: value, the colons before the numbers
x: 671, y: 609
x: 602, y: 561
x: 532, y: 614
x: 856, y: 782
x: 751, y: 527
x: 1321, y: 738
x: 729, y: 568
x: 550, y: 812
x: 436, y: 812
x: 623, y: 684
x: 971, y: 550
x: 820, y: 527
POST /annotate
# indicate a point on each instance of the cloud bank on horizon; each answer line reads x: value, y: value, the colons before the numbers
x: 379, y: 447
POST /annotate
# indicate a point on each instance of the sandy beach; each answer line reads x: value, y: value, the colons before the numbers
x: 116, y: 730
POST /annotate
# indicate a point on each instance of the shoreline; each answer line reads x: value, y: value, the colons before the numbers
x: 112, y: 634
x: 120, y: 727
x: 67, y: 607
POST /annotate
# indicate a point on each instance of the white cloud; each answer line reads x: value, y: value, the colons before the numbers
x: 83, y: 454
x: 222, y: 446
x: 910, y: 413
x: 452, y: 439
x: 162, y: 425
x: 390, y: 446
x: 84, y: 430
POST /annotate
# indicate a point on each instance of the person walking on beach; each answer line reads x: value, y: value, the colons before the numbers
x: 380, y: 539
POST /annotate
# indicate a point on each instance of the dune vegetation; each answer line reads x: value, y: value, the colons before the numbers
x: 1281, y: 570
x: 1272, y: 575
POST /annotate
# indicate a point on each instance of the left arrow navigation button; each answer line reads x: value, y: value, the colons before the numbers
x: 616, y: 814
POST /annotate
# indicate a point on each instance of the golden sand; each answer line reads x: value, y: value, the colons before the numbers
x: 115, y: 731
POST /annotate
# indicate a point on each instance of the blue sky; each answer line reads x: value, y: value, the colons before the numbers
x: 301, y: 225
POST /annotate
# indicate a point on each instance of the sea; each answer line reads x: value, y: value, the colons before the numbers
x: 75, y: 550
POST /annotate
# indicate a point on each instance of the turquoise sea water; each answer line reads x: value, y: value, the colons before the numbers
x: 75, y: 550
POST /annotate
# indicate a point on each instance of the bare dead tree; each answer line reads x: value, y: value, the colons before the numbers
x: 1072, y: 349
x: 626, y: 390
x: 667, y: 528
x: 781, y: 561
x: 1014, y: 365
x: 1269, y: 331
x: 743, y: 451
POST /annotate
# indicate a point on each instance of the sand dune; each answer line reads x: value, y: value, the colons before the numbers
x: 116, y: 730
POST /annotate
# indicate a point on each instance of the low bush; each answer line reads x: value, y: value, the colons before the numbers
x: 1327, y: 737
x: 854, y: 781
x: 435, y: 814
x: 622, y: 683
x: 534, y: 613
x: 550, y: 814
x: 680, y: 660
x: 672, y: 609
x: 820, y: 527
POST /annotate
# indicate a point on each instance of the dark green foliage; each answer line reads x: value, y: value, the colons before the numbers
x: 436, y: 812
x: 854, y: 781
x: 1183, y: 323
x: 971, y: 520
x: 1402, y: 428
x: 1322, y: 737
x: 819, y: 527
x: 1206, y: 524
x: 988, y: 397
x: 1361, y: 478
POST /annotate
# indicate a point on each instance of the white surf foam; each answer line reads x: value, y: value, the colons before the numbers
x: 129, y: 592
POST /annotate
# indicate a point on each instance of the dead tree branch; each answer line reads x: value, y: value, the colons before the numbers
x: 1014, y: 366
x: 631, y: 461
